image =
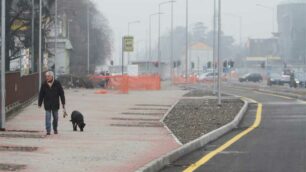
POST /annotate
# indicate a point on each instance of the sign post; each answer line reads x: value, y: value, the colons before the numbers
x: 127, y: 46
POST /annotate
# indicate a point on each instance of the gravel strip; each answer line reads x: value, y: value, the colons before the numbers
x: 190, y: 119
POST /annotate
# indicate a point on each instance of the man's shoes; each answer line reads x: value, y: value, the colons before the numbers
x: 55, y: 132
x: 48, y: 133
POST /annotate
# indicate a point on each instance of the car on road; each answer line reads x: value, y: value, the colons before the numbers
x: 299, y: 80
x: 209, y: 76
x: 275, y: 79
x: 254, y: 77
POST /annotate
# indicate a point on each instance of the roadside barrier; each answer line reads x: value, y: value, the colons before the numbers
x: 184, y: 80
x: 124, y: 83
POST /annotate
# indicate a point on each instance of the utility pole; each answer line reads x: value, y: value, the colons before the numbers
x: 219, y: 53
x: 150, y: 38
x: 214, y: 46
x: 172, y: 48
x: 32, y: 36
x: 40, y: 46
x: 3, y: 40
x: 55, y: 48
x: 122, y: 56
x: 187, y: 43
x: 88, y: 39
x: 159, y: 26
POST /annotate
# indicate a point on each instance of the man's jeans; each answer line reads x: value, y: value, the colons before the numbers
x: 54, y: 113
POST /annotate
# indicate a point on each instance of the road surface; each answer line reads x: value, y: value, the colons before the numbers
x: 278, y: 144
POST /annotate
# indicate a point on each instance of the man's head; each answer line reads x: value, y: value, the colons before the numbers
x: 49, y: 76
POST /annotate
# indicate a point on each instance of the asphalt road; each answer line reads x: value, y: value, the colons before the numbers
x: 277, y: 145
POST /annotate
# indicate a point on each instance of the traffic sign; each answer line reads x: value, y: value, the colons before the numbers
x: 128, y: 43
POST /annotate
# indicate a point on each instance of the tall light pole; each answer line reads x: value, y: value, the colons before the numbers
x: 55, y: 48
x: 219, y: 52
x: 187, y: 42
x: 159, y: 26
x: 129, y: 25
x: 88, y: 39
x: 272, y: 9
x: 40, y: 46
x: 3, y: 41
x: 150, y: 35
x: 214, y: 44
x: 171, y: 42
x: 32, y: 36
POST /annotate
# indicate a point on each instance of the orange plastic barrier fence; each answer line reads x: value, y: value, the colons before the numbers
x: 144, y: 82
x: 125, y: 83
x: 182, y: 80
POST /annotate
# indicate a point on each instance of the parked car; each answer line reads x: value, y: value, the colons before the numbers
x: 254, y: 77
x: 209, y: 76
x: 285, y: 79
x: 299, y: 80
x: 275, y: 79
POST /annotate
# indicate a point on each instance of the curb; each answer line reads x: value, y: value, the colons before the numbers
x: 161, y: 162
x: 165, y: 126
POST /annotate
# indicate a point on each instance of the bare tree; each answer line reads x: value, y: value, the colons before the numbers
x: 100, y: 35
x: 19, y: 27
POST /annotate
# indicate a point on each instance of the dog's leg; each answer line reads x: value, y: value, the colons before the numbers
x: 81, y: 128
x: 74, y: 125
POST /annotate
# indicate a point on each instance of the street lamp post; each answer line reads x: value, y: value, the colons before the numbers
x: 3, y: 40
x: 187, y: 42
x: 32, y: 36
x: 129, y: 25
x: 219, y: 53
x: 88, y: 40
x: 55, y: 43
x: 159, y: 27
x: 214, y: 45
x: 150, y: 36
x: 273, y: 14
x: 40, y: 46
x: 172, y: 46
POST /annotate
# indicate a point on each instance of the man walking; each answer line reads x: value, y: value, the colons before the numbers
x: 50, y: 93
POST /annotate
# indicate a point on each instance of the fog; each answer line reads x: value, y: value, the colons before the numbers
x: 256, y: 20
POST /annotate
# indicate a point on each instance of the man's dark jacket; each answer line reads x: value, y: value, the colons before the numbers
x: 51, y: 96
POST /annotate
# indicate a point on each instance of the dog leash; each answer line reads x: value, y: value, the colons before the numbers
x: 64, y: 113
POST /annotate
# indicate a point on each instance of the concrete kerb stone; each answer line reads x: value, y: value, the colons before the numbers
x: 161, y: 162
x: 164, y: 117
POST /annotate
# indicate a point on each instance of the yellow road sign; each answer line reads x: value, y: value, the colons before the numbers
x: 128, y: 42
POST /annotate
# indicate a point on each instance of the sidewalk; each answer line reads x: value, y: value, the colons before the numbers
x: 122, y: 133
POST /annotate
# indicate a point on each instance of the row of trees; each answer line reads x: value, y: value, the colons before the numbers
x: 80, y: 12
x: 22, y: 28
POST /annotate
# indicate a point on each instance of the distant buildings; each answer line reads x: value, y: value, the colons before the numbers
x: 59, y: 60
x: 292, y: 31
x: 200, y: 55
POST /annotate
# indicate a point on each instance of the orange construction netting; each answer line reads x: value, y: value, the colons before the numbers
x: 125, y: 83
x: 184, y: 80
x: 193, y: 80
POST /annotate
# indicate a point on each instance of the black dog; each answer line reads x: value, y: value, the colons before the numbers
x: 77, y: 119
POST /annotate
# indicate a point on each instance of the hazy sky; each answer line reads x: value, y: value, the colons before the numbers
x: 256, y: 21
